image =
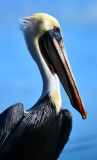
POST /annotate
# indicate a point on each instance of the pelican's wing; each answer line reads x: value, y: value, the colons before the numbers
x: 9, y: 119
x: 65, y: 130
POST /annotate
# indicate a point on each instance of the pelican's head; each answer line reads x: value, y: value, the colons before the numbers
x: 38, y: 24
x: 44, y: 30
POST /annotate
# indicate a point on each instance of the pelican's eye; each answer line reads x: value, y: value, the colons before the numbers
x: 56, y: 33
x: 56, y: 29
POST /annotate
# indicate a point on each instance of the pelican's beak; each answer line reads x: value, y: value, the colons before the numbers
x: 53, y: 50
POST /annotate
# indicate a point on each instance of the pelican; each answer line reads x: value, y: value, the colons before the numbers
x: 41, y: 132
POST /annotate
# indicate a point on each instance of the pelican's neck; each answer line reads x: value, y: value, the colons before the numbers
x: 50, y: 81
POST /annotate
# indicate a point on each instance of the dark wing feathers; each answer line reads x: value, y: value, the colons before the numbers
x: 28, y: 128
x: 40, y: 129
x: 8, y: 120
x: 65, y: 130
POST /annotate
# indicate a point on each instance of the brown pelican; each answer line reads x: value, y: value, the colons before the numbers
x: 41, y: 132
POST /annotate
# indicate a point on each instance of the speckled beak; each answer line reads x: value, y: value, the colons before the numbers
x: 55, y: 53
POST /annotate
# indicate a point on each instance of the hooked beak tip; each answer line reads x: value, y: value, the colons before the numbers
x: 85, y: 116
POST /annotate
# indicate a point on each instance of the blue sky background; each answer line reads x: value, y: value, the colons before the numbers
x: 20, y: 80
